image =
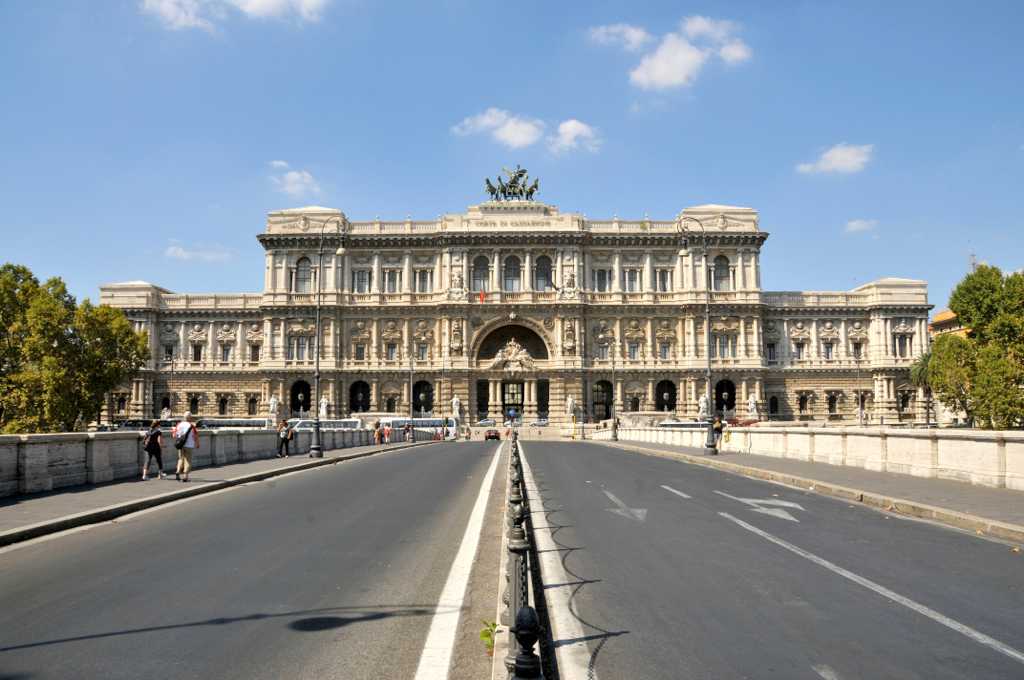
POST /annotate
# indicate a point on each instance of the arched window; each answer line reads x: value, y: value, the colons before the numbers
x: 193, y: 405
x: 391, y: 404
x: 165, y: 403
x: 481, y: 271
x: 253, y: 406
x: 803, y: 403
x: 542, y: 274
x: 359, y: 397
x: 122, y: 404
x: 222, y: 406
x: 773, y: 406
x: 513, y: 274
x: 721, y: 273
x: 833, y: 404
x: 303, y: 276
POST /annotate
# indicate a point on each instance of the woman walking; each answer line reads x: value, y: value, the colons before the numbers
x: 284, y: 435
x: 153, y: 446
x: 186, y: 440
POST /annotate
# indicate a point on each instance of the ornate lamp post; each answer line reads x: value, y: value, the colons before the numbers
x: 710, y: 441
x: 615, y: 424
x: 316, y: 450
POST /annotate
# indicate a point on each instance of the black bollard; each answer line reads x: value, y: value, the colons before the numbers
x: 527, y: 632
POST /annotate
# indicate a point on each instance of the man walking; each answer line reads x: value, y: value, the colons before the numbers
x: 186, y: 440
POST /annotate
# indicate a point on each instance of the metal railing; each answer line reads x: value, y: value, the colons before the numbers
x: 524, y: 625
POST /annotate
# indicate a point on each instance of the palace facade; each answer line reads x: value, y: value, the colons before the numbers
x: 515, y: 305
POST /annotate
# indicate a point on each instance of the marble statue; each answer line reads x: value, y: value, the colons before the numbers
x: 272, y: 407
x: 456, y: 406
x: 323, y: 406
x: 570, y: 406
x: 702, y: 407
x: 165, y: 413
x: 752, y: 406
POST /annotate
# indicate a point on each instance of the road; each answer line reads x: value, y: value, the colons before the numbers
x: 674, y: 571
x: 328, y: 573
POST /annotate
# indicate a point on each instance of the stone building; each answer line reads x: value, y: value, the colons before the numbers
x: 516, y: 305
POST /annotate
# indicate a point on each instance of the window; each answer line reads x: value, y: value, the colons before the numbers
x: 769, y: 351
x: 723, y: 346
x: 857, y: 350
x: 254, y: 353
x: 833, y: 404
x: 773, y: 405
x: 664, y: 280
x: 360, y: 352
x: 826, y: 350
x: 602, y: 280
x: 512, y: 274
x: 904, y: 401
x: 168, y: 352
x: 222, y: 406
x: 901, y: 346
x: 361, y: 280
x: 721, y: 273
x: 296, y: 348
x: 481, y: 273
x: 193, y: 405
x: 424, y: 281
x: 252, y: 407
x: 803, y: 403
x: 664, y: 350
x: 631, y: 280
x: 391, y: 351
x: 122, y: 404
x: 421, y: 351
x: 633, y: 350
x: 602, y: 351
x: 225, y: 353
x: 798, y: 350
x: 542, y: 275
x: 392, y: 280
x: 197, y: 352
x: 303, y: 276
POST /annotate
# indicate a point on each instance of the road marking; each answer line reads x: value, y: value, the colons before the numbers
x: 825, y: 671
x: 639, y: 514
x: 885, y: 592
x: 756, y: 503
x: 570, y: 643
x: 678, y: 493
x: 437, y: 650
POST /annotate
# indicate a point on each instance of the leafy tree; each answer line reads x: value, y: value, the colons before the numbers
x: 58, y: 358
x: 977, y: 300
x: 950, y: 369
x: 998, y: 390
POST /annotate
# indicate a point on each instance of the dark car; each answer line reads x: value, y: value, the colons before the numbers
x: 492, y: 434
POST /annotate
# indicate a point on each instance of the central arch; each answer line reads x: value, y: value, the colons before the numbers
x: 530, y: 339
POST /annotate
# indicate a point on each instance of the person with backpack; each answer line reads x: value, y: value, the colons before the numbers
x: 717, y: 427
x: 153, y: 446
x: 186, y: 440
x: 284, y: 435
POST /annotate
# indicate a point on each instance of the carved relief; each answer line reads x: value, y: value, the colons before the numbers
x: 858, y: 331
x: 391, y: 332
x: 603, y: 334
x: 512, y: 358
x: 360, y: 331
x: 301, y: 328
x: 828, y: 331
x: 665, y: 332
x: 548, y: 322
x: 725, y: 324
x: 634, y: 331
x: 902, y: 328
x: 226, y: 334
x: 771, y: 330
x: 197, y: 334
x: 169, y: 332
x: 423, y: 332
x: 799, y: 331
x: 254, y: 333
x: 456, y: 343
x: 569, y: 341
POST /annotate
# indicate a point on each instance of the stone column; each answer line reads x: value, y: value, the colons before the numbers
x: 374, y: 395
x: 744, y: 349
x: 494, y: 401
x: 528, y: 271
x: 652, y: 398
x: 530, y: 400
x: 496, y: 271
x: 375, y: 274
x: 743, y: 270
x: 617, y: 272
x: 647, y: 285
x: 407, y: 271
x: 677, y: 278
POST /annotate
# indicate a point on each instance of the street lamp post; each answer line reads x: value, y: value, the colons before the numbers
x: 710, y: 441
x: 316, y: 450
x: 615, y: 426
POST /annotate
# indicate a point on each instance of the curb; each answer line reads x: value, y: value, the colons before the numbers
x: 110, y: 512
x: 959, y: 520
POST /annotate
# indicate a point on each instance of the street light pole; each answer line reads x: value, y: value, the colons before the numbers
x: 710, y: 441
x: 615, y: 393
x: 316, y: 450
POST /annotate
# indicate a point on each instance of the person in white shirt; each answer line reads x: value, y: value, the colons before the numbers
x: 186, y: 431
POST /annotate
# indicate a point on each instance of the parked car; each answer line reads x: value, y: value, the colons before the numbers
x: 492, y: 434
x: 543, y: 422
x: 485, y: 422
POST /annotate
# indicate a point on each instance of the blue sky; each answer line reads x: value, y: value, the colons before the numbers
x: 148, y: 138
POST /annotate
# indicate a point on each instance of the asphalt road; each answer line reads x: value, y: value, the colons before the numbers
x: 689, y: 592
x: 328, y: 573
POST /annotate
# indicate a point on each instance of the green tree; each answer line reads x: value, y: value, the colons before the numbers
x: 998, y: 390
x: 919, y: 378
x: 58, y: 358
x: 950, y: 369
x: 978, y: 299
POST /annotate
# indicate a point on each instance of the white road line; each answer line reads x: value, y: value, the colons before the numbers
x: 825, y: 671
x: 885, y: 592
x: 571, y: 649
x: 437, y: 650
x: 676, y: 492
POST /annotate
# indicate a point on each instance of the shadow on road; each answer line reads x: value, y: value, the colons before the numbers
x: 310, y: 624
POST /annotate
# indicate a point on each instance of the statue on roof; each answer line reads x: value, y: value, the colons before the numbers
x: 515, y: 186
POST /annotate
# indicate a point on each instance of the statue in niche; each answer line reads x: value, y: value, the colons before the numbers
x: 272, y: 407
x: 752, y: 406
x: 570, y: 406
x: 456, y: 406
x: 702, y: 407
x: 323, y: 406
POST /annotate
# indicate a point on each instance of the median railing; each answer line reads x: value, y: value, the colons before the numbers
x: 524, y: 625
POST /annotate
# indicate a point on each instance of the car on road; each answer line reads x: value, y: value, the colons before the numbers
x: 485, y: 422
x: 543, y: 422
x: 492, y: 434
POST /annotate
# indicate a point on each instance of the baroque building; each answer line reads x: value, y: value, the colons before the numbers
x: 514, y: 304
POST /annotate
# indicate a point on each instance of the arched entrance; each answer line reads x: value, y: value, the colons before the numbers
x: 725, y: 395
x: 300, y: 397
x: 359, y: 397
x: 528, y: 338
x: 422, y: 398
x: 665, y: 396
x: 602, y: 400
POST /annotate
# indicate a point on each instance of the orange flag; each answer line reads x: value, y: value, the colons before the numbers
x: 481, y: 297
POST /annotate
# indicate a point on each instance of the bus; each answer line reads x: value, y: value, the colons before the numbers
x: 233, y: 423
x: 305, y: 424
x: 684, y: 424
x: 450, y: 424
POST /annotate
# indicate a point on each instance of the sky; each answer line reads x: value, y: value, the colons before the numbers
x: 147, y: 139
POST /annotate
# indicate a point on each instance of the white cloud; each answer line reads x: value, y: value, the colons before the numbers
x: 845, y: 158
x: 631, y: 38
x: 182, y: 14
x: 574, y: 134
x: 675, y: 63
x: 513, y: 131
x: 858, y: 226
x: 734, y: 52
x: 279, y: 164
x: 200, y: 252
x: 717, y: 30
x: 296, y: 183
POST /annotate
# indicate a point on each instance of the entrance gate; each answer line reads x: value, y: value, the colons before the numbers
x: 512, y: 399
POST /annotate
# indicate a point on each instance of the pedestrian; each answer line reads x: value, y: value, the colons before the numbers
x: 284, y: 435
x: 387, y: 434
x: 376, y: 433
x: 153, y: 444
x: 186, y: 440
x: 408, y: 432
x: 717, y: 427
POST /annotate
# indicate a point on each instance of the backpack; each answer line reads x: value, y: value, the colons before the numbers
x: 182, y: 439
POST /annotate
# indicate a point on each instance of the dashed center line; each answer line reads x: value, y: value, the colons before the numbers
x: 675, y: 491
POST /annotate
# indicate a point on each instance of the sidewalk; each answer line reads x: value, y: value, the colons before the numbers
x: 32, y: 515
x: 996, y: 512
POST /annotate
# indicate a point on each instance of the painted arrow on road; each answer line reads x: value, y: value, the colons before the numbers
x: 639, y: 514
x: 777, y: 511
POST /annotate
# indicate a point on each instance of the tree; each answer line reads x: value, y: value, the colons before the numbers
x: 919, y: 379
x: 950, y: 368
x: 58, y: 358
